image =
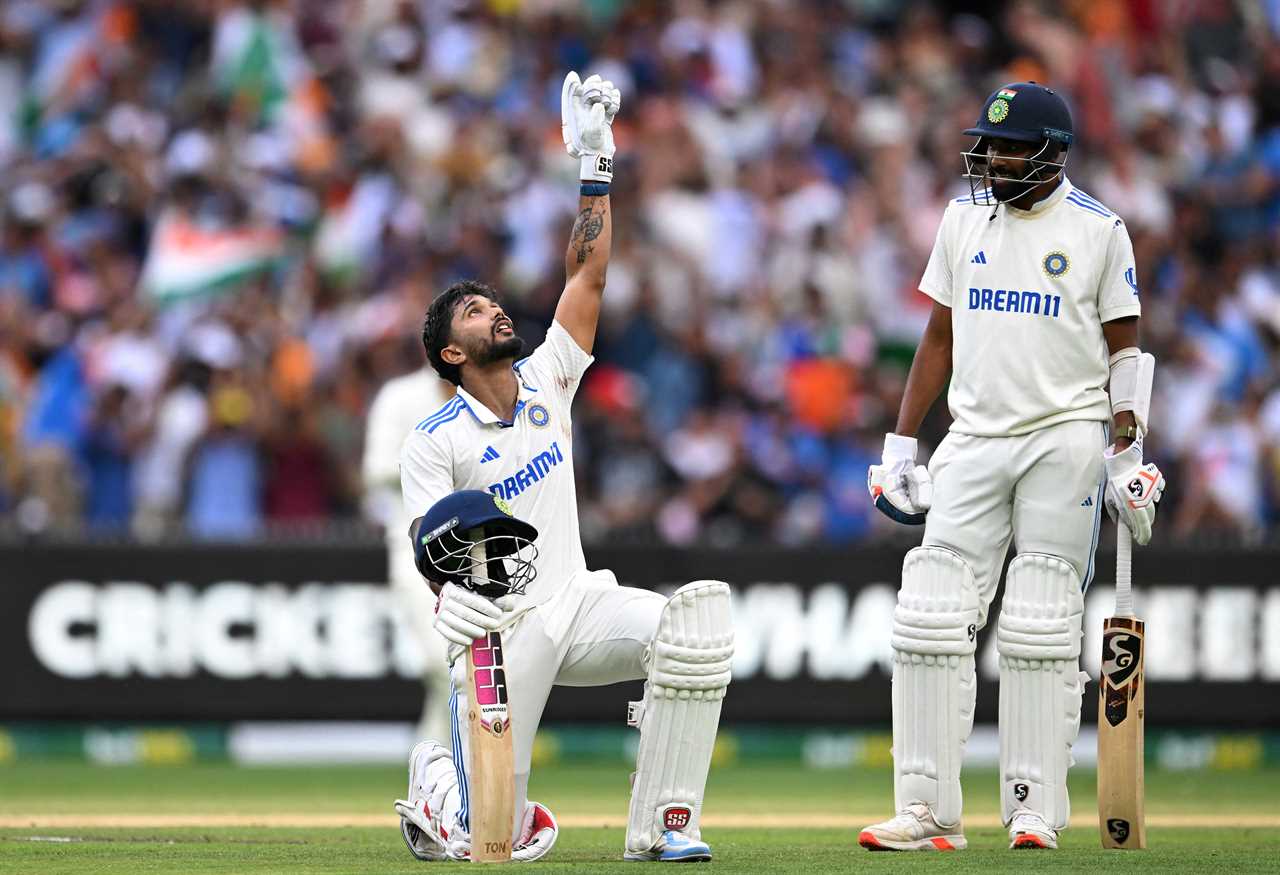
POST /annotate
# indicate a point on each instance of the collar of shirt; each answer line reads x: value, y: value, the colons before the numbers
x: 1043, y: 205
x: 485, y: 416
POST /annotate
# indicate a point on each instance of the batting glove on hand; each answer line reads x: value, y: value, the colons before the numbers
x: 1133, y: 490
x: 586, y: 118
x: 462, y: 616
x: 901, y: 489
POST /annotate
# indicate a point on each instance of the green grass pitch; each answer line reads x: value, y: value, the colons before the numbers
x: 65, y: 817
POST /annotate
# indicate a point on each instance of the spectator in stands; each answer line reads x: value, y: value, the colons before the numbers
x: 233, y: 211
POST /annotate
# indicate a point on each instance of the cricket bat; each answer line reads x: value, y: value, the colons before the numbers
x: 1121, y: 783
x: 492, y: 782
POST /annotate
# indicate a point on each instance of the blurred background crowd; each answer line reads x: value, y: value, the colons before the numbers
x: 221, y: 223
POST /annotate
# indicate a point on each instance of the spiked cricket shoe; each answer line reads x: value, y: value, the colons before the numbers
x: 912, y: 829
x: 1029, y: 830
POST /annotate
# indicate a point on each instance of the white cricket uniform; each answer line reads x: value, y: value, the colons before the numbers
x: 574, y: 627
x: 400, y: 405
x: 1028, y: 292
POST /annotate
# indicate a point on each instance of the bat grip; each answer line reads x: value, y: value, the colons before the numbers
x: 1124, y: 571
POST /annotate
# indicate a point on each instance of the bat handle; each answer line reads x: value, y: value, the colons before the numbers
x: 1124, y: 571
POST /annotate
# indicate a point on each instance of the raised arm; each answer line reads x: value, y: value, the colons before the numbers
x: 585, y: 263
x: 587, y: 110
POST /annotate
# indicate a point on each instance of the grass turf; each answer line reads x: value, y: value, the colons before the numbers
x: 70, y: 791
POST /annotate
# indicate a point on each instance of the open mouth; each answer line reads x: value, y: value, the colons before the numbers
x: 503, y: 326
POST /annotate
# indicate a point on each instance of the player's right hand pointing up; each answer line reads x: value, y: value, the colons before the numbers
x: 586, y: 122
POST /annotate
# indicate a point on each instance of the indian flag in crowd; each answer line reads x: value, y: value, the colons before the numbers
x: 256, y: 59
x: 185, y: 259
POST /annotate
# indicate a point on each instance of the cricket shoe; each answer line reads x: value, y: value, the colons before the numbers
x: 673, y: 847
x: 1029, y: 830
x: 912, y: 829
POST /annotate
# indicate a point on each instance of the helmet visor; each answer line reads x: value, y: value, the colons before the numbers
x: 492, y: 561
x: 1039, y: 167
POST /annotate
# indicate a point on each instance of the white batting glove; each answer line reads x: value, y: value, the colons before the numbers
x: 1133, y: 490
x: 586, y: 118
x: 901, y: 489
x: 462, y: 616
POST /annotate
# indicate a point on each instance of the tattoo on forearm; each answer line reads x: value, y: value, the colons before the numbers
x: 587, y: 227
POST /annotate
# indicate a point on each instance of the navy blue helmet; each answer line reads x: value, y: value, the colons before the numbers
x: 1025, y: 112
x: 472, y: 539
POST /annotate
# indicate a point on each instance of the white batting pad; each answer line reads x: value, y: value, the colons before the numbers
x: 688, y: 675
x: 934, y: 636
x: 1038, y: 638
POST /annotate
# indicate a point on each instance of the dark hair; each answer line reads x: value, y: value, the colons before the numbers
x: 436, y: 327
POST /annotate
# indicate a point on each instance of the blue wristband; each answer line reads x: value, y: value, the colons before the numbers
x: 594, y: 189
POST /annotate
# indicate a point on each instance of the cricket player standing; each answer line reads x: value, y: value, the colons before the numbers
x: 400, y: 405
x: 508, y: 432
x: 1035, y: 317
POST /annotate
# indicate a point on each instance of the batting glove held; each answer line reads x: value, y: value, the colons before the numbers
x: 901, y: 489
x: 462, y: 616
x: 1133, y: 490
x: 586, y: 118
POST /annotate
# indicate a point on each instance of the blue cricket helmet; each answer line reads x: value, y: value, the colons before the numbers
x: 447, y: 538
x: 1025, y: 112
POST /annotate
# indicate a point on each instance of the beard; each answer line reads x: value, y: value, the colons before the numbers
x: 1004, y: 190
x: 489, y: 350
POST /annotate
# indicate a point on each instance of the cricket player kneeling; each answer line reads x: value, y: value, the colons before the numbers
x: 432, y: 819
x: 500, y: 453
x: 682, y: 646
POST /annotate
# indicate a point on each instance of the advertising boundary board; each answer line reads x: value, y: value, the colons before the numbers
x: 306, y: 631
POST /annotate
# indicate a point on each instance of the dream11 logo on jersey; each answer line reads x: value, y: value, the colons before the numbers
x: 530, y: 474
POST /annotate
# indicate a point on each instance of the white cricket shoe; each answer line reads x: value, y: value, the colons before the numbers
x: 1029, y: 830
x: 673, y: 847
x: 912, y: 829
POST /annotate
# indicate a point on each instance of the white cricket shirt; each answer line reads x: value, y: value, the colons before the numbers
x: 528, y: 461
x: 1028, y: 292
x: 399, y: 406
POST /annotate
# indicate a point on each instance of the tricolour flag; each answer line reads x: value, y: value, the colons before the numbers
x: 185, y: 259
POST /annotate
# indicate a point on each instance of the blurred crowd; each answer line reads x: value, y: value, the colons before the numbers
x: 221, y: 223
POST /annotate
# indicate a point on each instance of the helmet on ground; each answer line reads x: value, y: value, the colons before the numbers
x: 471, y: 538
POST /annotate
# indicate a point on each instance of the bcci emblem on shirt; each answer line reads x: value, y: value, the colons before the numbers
x: 1056, y: 264
x: 538, y: 415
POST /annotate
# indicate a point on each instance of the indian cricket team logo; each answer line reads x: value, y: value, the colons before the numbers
x: 538, y: 415
x: 1056, y: 264
x: 998, y: 111
x: 501, y: 504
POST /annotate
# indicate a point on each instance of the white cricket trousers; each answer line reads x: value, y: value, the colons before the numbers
x: 1043, y: 490
x: 592, y: 632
